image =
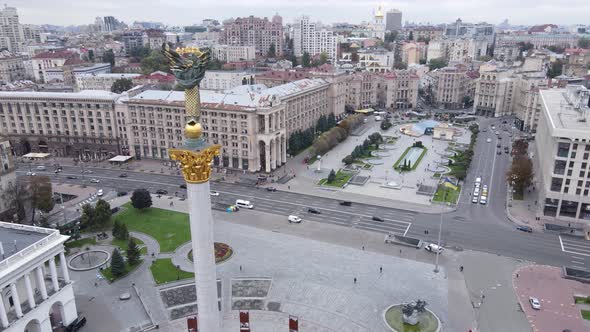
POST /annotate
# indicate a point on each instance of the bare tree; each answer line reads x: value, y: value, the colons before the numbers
x: 41, y: 194
x: 16, y: 196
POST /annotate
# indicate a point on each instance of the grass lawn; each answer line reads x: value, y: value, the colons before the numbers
x: 444, y: 194
x: 122, y: 244
x: 340, y: 180
x: 80, y: 242
x: 397, y: 165
x: 164, y: 271
x: 427, y: 323
x: 586, y: 314
x: 582, y: 300
x: 169, y: 228
x: 128, y: 268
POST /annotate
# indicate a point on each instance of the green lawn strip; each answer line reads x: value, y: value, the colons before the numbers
x: 340, y: 180
x: 80, y: 242
x: 586, y: 314
x: 170, y: 228
x: 122, y: 244
x: 164, y: 271
x: 128, y: 269
x: 451, y: 195
x: 582, y: 300
x: 401, y: 158
x: 415, y: 165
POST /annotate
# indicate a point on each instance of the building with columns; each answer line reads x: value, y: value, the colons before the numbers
x: 7, y: 179
x: 36, y: 295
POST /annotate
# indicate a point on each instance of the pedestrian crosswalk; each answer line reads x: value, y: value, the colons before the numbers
x: 578, y: 250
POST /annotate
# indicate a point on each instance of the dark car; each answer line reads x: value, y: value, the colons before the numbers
x: 71, y: 177
x: 161, y: 192
x: 498, y: 145
x: 499, y: 137
x: 183, y: 186
x: 121, y: 193
x: 273, y: 189
x: 499, y: 152
x: 314, y: 211
x: 526, y: 229
x: 77, y: 324
x: 123, y: 175
x: 378, y: 219
x: 346, y: 203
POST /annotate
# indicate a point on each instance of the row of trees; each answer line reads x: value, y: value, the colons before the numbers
x: 300, y: 140
x: 463, y: 160
x: 520, y: 174
x: 362, y: 150
x: 329, y: 139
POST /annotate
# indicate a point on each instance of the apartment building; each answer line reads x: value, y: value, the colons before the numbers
x: 225, y: 79
x: 452, y: 86
x: 274, y: 78
x: 7, y: 178
x: 424, y: 32
x: 12, y: 67
x: 100, y: 81
x: 539, y: 40
x: 373, y: 60
x: 36, y: 293
x: 467, y: 49
x: 401, y: 89
x: 81, y: 125
x: 50, y: 60
x: 577, y: 62
x: 506, y: 52
x: 563, y: 155
x: 361, y: 90
x: 153, y: 39
x: 309, y: 38
x: 132, y: 39
x: 413, y: 52
x: 11, y: 34
x: 233, y: 53
x: 437, y: 49
x: 254, y: 31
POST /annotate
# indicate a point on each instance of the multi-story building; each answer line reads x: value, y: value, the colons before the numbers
x: 437, y: 49
x: 401, y: 89
x: 253, y: 31
x: 452, y: 86
x: 577, y: 62
x: 7, y: 179
x: 459, y: 29
x: 153, y: 39
x: 48, y: 60
x: 11, y: 34
x: 393, y: 20
x: 110, y: 23
x: 506, y: 52
x: 467, y: 49
x: 373, y: 60
x: 75, y: 67
x: 225, y: 79
x: 37, y: 294
x: 425, y: 32
x: 31, y: 33
x: 274, y: 78
x: 539, y: 40
x: 100, y: 81
x: 413, y: 52
x: 361, y: 90
x: 12, y: 67
x: 132, y: 39
x: 233, y: 53
x: 563, y: 155
x: 81, y: 124
x: 307, y: 38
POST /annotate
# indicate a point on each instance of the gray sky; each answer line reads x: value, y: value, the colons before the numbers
x: 184, y: 12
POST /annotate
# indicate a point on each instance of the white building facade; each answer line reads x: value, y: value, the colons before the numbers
x: 225, y: 80
x: 233, y: 53
x: 307, y: 38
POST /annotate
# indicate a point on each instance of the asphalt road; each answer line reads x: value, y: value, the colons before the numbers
x: 472, y: 226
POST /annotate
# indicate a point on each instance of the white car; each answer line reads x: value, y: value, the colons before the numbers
x: 214, y: 193
x: 535, y: 304
x: 100, y: 192
x: 434, y: 248
x: 475, y: 200
x: 478, y: 181
x: 476, y: 191
x: 485, y: 187
x: 94, y: 181
x: 31, y: 174
x: 294, y: 219
x: 489, y: 140
x: 483, y: 200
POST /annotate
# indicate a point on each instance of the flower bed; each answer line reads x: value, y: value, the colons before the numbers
x: 222, y: 252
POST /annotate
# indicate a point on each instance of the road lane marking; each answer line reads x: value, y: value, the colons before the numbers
x: 561, y: 243
x: 577, y: 262
x: 407, y: 229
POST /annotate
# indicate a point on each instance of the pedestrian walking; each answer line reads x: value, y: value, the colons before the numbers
x: 240, y: 268
x: 380, y: 269
x: 400, y: 251
x: 354, y: 280
x: 289, y: 187
x: 363, y: 247
x: 461, y: 268
x: 517, y: 275
x: 171, y: 203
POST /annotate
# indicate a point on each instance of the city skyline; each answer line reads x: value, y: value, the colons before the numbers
x: 179, y: 12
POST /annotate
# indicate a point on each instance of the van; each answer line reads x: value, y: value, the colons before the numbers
x: 244, y: 204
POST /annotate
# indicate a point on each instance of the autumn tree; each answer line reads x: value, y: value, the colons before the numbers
x: 121, y: 85
x: 520, y: 173
x: 41, y: 194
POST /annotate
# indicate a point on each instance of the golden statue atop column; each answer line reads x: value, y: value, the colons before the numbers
x: 188, y: 66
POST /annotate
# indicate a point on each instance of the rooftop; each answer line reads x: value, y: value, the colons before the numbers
x: 54, y: 55
x: 14, y: 239
x: 84, y: 94
x: 567, y: 110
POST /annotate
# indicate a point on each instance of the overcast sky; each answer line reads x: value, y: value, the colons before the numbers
x: 185, y: 12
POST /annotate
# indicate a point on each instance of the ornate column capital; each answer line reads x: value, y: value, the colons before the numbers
x: 196, y: 165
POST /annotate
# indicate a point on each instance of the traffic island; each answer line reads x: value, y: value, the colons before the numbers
x: 427, y: 320
x: 223, y: 252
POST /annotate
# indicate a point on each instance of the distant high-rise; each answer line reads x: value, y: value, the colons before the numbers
x: 11, y: 34
x: 393, y: 20
x: 110, y: 23
x: 254, y: 31
x: 308, y: 38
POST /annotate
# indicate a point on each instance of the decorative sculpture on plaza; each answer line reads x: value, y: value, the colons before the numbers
x: 189, y: 71
x: 411, y: 312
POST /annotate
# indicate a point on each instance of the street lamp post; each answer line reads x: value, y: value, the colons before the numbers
x: 177, y: 272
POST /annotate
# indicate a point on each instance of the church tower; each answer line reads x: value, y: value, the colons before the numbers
x: 379, y: 24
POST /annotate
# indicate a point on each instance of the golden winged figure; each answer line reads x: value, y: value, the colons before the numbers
x: 188, y: 71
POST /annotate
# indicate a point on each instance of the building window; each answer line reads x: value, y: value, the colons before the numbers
x: 550, y: 208
x: 559, y: 167
x: 556, y: 184
x: 563, y: 149
x: 568, y: 209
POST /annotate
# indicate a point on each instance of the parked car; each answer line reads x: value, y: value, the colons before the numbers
x: 123, y: 175
x: 294, y: 219
x: 498, y: 145
x: 499, y: 152
x: 183, y: 186
x: 346, y: 203
x: 376, y: 218
x: 475, y: 199
x: 121, y: 193
x: 535, y: 304
x: 526, y: 229
x: 272, y: 189
x: 94, y: 180
x: 161, y: 192
x: 312, y: 210
x: 213, y: 193
x: 432, y: 247
x: 483, y: 200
